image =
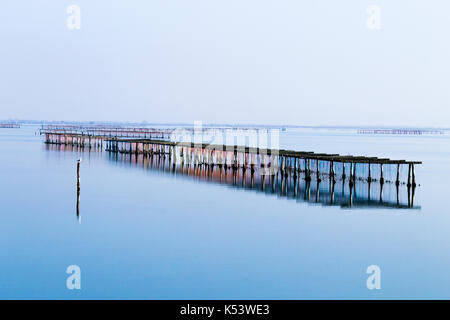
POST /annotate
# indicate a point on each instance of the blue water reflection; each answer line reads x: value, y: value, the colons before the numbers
x: 159, y: 234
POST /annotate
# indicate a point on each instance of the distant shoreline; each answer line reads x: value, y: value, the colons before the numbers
x: 222, y: 125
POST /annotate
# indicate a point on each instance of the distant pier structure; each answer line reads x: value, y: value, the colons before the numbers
x: 400, y: 131
x: 95, y: 136
x: 9, y: 125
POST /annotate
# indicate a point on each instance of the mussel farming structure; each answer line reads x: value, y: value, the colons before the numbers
x: 290, y: 185
x: 333, y: 179
x: 94, y: 137
x: 9, y: 125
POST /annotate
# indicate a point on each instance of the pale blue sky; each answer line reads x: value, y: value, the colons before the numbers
x: 298, y: 62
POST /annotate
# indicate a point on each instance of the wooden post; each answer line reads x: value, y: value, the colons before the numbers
x: 381, y: 174
x: 331, y: 170
x: 397, y: 180
x: 398, y: 198
x: 308, y: 170
x: 296, y: 165
x: 286, y: 166
x: 78, y: 170
x: 351, y: 174
x: 409, y: 175
x: 343, y: 171
x: 381, y: 193
x: 318, y: 171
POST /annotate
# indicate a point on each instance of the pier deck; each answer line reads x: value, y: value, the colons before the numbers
x: 271, y: 161
x: 276, y: 160
x: 361, y: 195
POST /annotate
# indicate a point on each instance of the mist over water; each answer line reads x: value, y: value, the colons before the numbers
x: 144, y: 231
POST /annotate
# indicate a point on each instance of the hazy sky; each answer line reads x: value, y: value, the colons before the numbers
x: 307, y: 62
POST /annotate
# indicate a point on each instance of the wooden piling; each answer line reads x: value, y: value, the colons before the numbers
x: 78, y: 170
x: 409, y: 175
x: 350, y: 181
x: 397, y: 179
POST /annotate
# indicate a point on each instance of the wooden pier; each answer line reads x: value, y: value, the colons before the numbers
x: 400, y: 131
x: 58, y: 132
x: 9, y: 126
x: 291, y: 186
x: 274, y: 161
x: 94, y: 137
x: 270, y: 164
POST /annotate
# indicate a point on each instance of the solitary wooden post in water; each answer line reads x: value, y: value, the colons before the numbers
x: 78, y: 170
x: 78, y: 190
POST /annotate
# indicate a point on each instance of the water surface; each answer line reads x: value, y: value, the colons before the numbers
x: 151, y: 234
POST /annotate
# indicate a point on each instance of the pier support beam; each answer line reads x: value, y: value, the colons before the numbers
x: 350, y: 182
x: 318, y: 170
x: 409, y: 175
x: 308, y: 170
x: 397, y: 179
x: 343, y: 171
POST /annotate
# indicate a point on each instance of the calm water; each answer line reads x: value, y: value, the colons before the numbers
x: 150, y: 234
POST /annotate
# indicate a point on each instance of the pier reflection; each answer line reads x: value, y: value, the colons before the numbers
x: 290, y: 184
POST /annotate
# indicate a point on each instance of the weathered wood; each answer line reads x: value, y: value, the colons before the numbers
x: 287, y: 161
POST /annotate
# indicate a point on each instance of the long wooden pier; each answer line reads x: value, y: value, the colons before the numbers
x: 149, y: 142
x: 273, y: 161
x: 291, y: 186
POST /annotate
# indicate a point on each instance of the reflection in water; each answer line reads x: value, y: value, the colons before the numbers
x: 78, y: 204
x: 78, y: 190
x: 289, y: 184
